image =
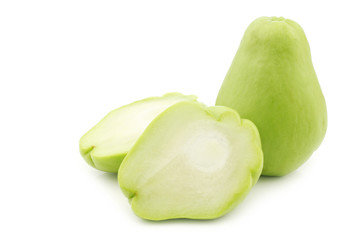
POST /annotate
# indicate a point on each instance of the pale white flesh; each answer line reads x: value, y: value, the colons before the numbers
x: 192, y: 162
x: 106, y: 144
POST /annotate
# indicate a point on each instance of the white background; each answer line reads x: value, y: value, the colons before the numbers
x: 65, y: 64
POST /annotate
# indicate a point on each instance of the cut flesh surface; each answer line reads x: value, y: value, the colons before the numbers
x: 107, y: 143
x: 192, y: 161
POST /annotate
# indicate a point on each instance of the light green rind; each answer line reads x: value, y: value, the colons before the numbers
x: 106, y: 144
x: 272, y: 82
x: 160, y: 184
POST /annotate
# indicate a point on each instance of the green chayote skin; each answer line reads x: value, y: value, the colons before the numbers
x: 272, y: 82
